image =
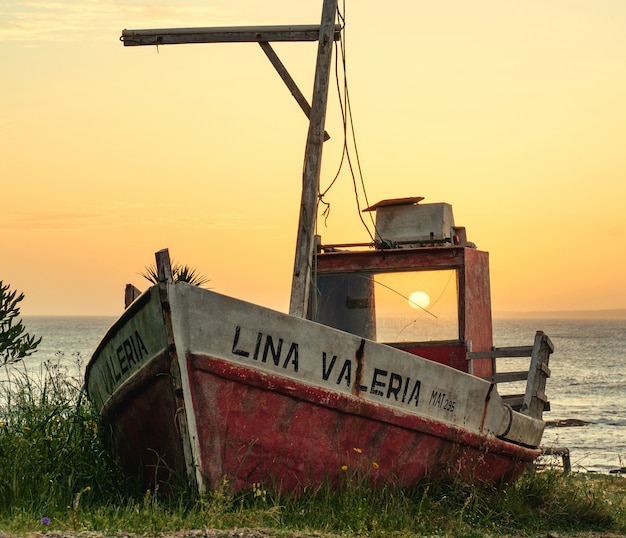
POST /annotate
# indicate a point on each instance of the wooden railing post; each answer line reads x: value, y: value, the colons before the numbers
x: 535, y: 398
x: 534, y: 401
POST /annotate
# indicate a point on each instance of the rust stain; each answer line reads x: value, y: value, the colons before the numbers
x: 358, y: 387
x: 487, y: 398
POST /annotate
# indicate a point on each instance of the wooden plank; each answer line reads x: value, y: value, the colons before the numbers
x: 502, y: 353
x: 514, y: 400
x: 535, y: 399
x: 230, y: 34
x: 288, y: 80
x: 508, y: 377
x: 559, y: 451
x: 545, y: 369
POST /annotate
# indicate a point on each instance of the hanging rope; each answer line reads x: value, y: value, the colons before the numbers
x: 347, y: 120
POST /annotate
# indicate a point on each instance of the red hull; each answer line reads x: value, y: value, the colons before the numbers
x: 258, y: 428
x: 141, y: 419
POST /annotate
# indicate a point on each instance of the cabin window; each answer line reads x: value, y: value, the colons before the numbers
x: 411, y: 306
x: 417, y: 306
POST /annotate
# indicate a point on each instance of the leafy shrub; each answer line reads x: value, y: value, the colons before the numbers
x: 15, y: 342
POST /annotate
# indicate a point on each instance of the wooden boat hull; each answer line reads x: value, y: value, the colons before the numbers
x: 210, y: 390
x: 297, y: 437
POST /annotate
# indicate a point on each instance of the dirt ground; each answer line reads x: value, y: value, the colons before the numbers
x: 249, y: 533
x: 204, y: 533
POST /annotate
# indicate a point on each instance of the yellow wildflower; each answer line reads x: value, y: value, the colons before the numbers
x: 375, y: 465
x: 357, y: 450
x: 344, y: 467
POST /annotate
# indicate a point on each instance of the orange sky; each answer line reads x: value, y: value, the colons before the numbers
x: 513, y: 112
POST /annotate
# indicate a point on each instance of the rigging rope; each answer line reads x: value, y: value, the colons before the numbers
x: 347, y: 118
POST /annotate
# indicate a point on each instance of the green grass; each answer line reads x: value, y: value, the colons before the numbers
x: 53, y: 465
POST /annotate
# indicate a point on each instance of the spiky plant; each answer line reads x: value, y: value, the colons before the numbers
x: 180, y: 273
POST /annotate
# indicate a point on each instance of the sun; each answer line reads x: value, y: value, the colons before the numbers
x: 419, y: 300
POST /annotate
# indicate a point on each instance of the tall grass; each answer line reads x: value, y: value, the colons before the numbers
x: 56, y: 474
x: 50, y: 447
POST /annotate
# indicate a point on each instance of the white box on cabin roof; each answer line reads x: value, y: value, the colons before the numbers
x: 407, y: 220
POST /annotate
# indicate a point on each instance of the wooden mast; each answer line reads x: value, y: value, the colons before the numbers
x: 301, y: 279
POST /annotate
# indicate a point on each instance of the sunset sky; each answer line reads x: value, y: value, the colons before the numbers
x: 513, y: 112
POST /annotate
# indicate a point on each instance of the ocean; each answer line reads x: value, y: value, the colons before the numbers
x: 588, y: 383
x: 588, y: 380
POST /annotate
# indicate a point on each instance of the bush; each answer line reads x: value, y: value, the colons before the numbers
x: 15, y: 342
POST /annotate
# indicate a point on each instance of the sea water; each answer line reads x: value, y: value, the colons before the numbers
x: 588, y: 381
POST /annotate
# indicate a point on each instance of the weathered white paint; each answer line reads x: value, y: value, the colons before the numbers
x: 208, y: 323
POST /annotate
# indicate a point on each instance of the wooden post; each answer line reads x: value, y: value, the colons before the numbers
x: 166, y: 280
x: 130, y: 294
x: 300, y: 285
x: 164, y: 266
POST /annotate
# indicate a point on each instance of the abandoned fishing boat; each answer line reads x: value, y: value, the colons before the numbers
x: 211, y: 388
x: 385, y: 364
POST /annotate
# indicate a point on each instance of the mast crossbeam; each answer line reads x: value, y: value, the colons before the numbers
x: 228, y: 34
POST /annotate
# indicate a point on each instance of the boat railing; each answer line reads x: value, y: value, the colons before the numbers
x: 533, y: 401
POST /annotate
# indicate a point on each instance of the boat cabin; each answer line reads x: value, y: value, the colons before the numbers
x: 420, y: 287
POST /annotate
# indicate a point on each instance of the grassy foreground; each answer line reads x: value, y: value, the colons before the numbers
x: 56, y: 477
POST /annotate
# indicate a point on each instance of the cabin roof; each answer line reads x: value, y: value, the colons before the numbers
x: 412, y: 200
